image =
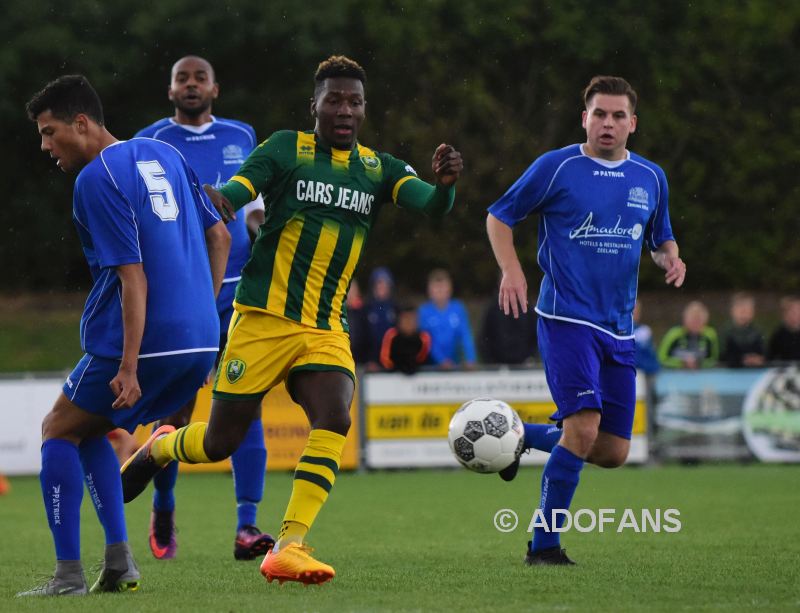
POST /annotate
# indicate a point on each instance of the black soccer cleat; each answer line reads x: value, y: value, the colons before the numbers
x: 552, y: 556
x: 140, y: 468
x: 510, y: 471
x: 251, y: 543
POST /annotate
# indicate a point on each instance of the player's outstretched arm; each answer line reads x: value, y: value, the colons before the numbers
x: 666, y: 257
x: 125, y: 384
x: 513, y: 295
x: 218, y: 243
x: 433, y: 200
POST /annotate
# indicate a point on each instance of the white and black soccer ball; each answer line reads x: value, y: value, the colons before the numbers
x: 486, y: 435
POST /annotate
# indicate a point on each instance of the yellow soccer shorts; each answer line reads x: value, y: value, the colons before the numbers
x: 264, y: 349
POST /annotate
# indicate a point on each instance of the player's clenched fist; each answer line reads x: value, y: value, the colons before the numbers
x: 447, y: 164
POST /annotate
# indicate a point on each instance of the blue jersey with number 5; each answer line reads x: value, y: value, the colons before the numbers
x: 139, y: 202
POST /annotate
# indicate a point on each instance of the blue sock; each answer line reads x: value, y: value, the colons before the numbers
x: 541, y: 436
x: 559, y: 480
x: 101, y: 470
x: 249, y: 463
x: 164, y: 487
x: 62, y: 490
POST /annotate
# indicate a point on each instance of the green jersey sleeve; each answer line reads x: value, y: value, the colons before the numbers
x: 261, y: 167
x: 410, y: 192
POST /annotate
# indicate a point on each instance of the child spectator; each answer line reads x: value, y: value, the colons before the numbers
x: 445, y: 319
x: 693, y: 344
x: 742, y: 341
x: 784, y: 344
x: 405, y: 347
x: 381, y: 312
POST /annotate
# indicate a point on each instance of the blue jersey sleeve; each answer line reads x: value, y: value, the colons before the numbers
x: 528, y: 193
x: 109, y: 218
x: 659, y: 229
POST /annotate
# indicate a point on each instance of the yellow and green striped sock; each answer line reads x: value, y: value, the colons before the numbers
x: 313, y: 479
x: 184, y: 445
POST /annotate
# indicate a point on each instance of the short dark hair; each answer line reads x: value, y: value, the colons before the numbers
x: 612, y: 86
x: 439, y: 274
x: 338, y: 66
x: 65, y: 98
x: 406, y: 307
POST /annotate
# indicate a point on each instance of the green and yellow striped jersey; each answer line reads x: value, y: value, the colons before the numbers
x: 321, y: 204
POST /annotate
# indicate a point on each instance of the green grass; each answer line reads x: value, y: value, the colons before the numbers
x: 424, y: 540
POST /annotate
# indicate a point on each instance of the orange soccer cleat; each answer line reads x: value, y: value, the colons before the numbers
x: 293, y: 562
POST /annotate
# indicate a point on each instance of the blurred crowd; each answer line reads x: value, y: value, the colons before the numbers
x: 739, y: 343
x: 388, y: 334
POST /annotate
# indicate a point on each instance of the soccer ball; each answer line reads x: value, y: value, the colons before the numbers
x: 486, y: 435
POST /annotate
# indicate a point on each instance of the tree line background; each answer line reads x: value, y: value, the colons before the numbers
x: 501, y: 80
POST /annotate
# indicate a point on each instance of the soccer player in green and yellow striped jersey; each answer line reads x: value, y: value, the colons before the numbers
x: 323, y: 202
x: 323, y: 191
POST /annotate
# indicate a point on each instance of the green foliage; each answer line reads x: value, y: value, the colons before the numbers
x: 500, y: 80
x: 424, y: 541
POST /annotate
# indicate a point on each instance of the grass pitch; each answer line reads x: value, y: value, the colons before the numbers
x: 425, y: 540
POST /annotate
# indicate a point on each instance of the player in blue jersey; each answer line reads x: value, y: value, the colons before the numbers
x: 598, y: 205
x: 214, y: 148
x: 149, y: 330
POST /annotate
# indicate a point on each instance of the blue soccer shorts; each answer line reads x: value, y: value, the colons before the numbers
x: 167, y: 382
x: 587, y: 368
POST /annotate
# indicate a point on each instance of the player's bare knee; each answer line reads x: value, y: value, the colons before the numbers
x: 54, y: 427
x: 47, y: 427
x: 609, y: 462
x: 579, y: 437
x: 336, y: 420
x: 219, y: 448
x: 219, y: 445
x: 609, y: 457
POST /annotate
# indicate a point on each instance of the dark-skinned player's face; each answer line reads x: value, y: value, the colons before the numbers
x: 339, y: 108
x: 193, y: 89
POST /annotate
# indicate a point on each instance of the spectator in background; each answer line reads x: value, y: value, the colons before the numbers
x: 505, y: 340
x: 693, y: 344
x: 784, y: 344
x: 742, y: 341
x: 405, y: 347
x: 646, y: 358
x: 357, y: 323
x: 445, y: 319
x: 381, y: 313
